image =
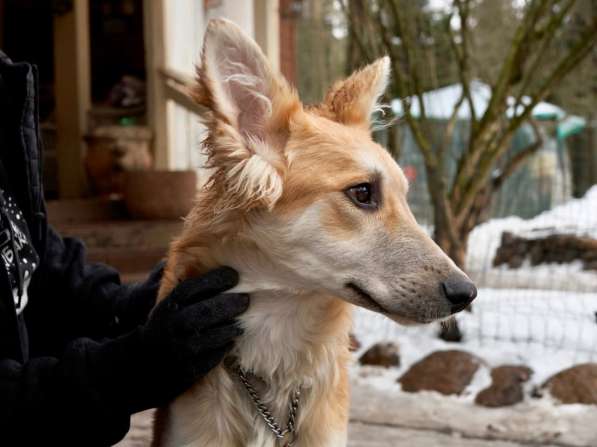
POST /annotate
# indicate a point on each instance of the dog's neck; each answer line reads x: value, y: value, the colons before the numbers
x: 296, y: 336
x: 292, y: 336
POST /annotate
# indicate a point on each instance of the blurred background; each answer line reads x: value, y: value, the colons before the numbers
x: 491, y: 113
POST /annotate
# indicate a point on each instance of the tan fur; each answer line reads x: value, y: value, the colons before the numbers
x: 275, y: 210
x: 351, y: 101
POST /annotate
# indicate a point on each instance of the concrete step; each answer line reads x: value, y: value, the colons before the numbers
x: 85, y: 210
x: 128, y: 260
x: 133, y: 247
x: 122, y: 233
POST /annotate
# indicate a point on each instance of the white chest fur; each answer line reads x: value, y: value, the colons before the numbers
x: 289, y: 340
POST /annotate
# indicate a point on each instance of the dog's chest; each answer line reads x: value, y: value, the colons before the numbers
x: 290, y: 343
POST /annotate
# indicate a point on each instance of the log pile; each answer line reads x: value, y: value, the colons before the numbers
x: 554, y: 248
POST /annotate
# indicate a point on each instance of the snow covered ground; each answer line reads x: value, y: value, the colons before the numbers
x: 545, y: 330
x: 543, y: 317
x: 578, y: 217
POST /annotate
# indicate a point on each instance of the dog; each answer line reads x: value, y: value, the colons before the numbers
x: 313, y: 215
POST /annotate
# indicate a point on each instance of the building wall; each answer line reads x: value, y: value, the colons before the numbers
x: 185, y: 23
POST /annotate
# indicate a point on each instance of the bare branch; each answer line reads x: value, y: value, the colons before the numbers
x: 451, y: 124
x: 354, y: 32
x: 520, y: 45
x: 410, y: 51
x: 400, y: 78
x: 576, y: 54
x: 517, y: 160
x: 480, y: 152
x: 435, y: 179
x: 547, y: 32
x: 463, y: 7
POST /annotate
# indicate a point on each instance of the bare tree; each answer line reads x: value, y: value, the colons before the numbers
x: 524, y: 73
x: 527, y: 70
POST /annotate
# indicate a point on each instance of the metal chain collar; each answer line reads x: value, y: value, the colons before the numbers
x: 289, y: 433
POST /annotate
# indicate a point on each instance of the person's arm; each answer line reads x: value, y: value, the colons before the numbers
x: 86, y: 396
x: 78, y: 298
x: 43, y: 402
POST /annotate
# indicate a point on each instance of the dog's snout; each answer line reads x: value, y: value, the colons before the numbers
x: 459, y: 291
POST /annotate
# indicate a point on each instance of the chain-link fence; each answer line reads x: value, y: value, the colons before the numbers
x: 534, y: 261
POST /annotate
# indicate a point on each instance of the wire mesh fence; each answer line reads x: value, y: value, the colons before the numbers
x: 534, y: 261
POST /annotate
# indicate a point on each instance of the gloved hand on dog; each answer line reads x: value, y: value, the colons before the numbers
x: 186, y: 336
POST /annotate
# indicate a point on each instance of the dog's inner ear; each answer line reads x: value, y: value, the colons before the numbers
x: 248, y: 123
x: 353, y: 100
x: 241, y: 86
x: 238, y: 79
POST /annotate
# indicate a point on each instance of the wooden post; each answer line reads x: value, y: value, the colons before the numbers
x: 267, y: 29
x: 73, y: 96
x: 154, y: 24
x: 287, y: 40
x: 240, y: 12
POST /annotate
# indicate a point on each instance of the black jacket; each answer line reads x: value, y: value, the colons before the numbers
x: 43, y: 391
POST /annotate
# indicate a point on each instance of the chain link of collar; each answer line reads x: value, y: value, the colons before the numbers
x: 288, y: 434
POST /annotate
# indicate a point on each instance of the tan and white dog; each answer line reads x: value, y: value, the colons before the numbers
x: 313, y: 214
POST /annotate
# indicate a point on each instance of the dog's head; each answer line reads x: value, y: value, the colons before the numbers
x: 323, y: 204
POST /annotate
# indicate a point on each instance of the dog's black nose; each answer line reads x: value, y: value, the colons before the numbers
x: 459, y: 291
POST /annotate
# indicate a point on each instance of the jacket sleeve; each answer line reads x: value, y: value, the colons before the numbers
x: 82, y: 299
x: 74, y: 400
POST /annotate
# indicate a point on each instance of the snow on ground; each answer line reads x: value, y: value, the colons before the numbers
x: 544, y: 317
x: 563, y: 277
x: 578, y: 216
x: 545, y: 330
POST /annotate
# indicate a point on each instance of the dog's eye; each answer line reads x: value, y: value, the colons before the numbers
x: 363, y: 195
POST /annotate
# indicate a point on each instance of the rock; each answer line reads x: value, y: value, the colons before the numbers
x: 447, y: 372
x: 576, y: 385
x: 382, y: 354
x: 506, y: 386
x: 354, y: 343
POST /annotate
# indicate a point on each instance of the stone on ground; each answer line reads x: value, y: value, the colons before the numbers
x: 447, y: 372
x: 575, y: 385
x: 382, y: 354
x: 506, y: 386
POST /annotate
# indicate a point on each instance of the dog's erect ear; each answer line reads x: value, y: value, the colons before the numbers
x: 249, y: 109
x: 353, y: 100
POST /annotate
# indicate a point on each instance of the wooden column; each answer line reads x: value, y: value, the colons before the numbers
x: 267, y: 29
x: 288, y: 40
x: 73, y: 96
x: 154, y: 21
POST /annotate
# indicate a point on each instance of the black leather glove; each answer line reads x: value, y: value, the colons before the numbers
x: 186, y: 335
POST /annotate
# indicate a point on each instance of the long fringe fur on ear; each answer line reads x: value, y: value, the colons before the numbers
x: 248, y: 108
x: 244, y: 176
x: 241, y: 178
